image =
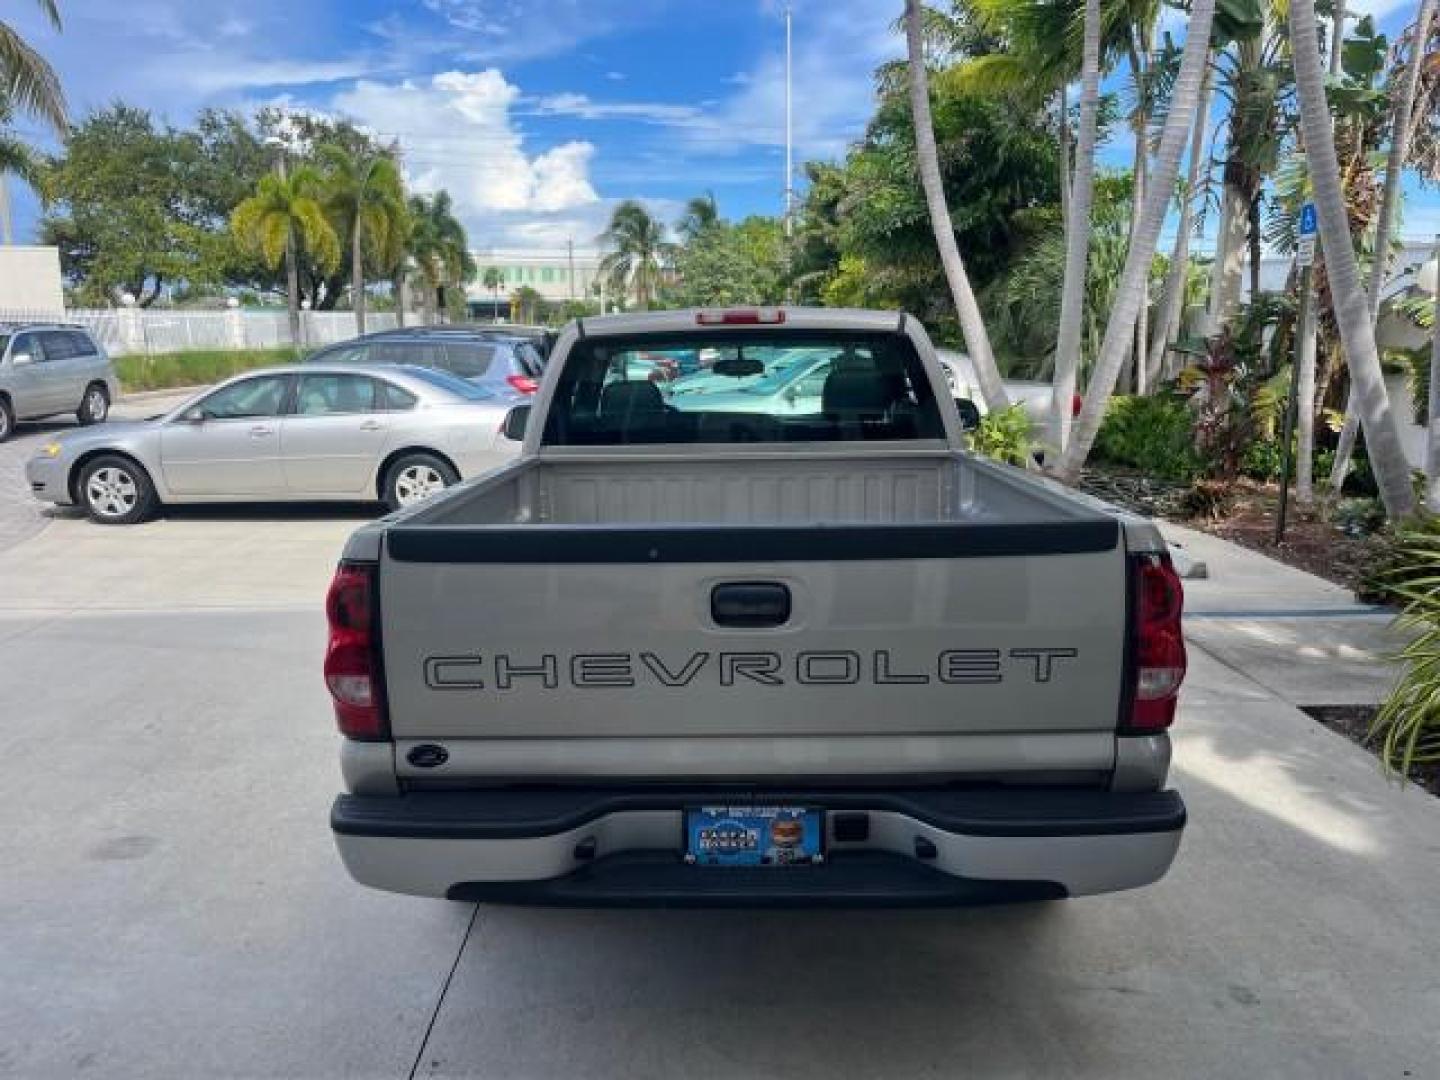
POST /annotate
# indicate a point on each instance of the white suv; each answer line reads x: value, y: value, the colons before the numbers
x: 50, y: 368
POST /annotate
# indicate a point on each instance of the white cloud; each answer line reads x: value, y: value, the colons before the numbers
x: 583, y: 107
x: 206, y: 73
x: 838, y: 44
x: 456, y: 132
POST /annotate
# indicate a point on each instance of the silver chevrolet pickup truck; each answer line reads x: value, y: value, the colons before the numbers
x: 815, y: 655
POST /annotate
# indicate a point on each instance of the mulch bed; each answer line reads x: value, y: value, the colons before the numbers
x: 1353, y: 721
x: 1310, y: 543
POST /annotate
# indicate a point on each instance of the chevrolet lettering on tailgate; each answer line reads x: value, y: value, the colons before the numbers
x: 956, y: 667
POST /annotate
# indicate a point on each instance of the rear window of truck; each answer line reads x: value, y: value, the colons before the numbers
x: 743, y: 388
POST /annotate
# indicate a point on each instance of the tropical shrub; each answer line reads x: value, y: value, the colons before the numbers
x: 1359, y: 517
x: 1154, y: 434
x: 1262, y: 460
x: 1212, y: 500
x: 1407, y: 726
x: 1005, y: 436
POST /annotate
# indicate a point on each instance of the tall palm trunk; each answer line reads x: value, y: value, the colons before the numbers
x: 1062, y: 106
x: 1172, y: 299
x: 1139, y: 55
x: 1229, y: 265
x: 977, y: 341
x: 1432, y: 412
x: 1134, y: 279
x: 1077, y: 234
x: 1352, y: 313
x: 1142, y: 318
x: 357, y: 276
x: 1404, y: 107
x: 1401, y: 115
x: 1307, y: 332
x: 292, y: 288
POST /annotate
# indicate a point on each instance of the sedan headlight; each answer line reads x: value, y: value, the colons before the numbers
x: 51, y: 450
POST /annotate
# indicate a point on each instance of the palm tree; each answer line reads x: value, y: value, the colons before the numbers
x: 27, y: 83
x: 972, y: 325
x: 30, y: 83
x: 492, y: 280
x: 1134, y: 282
x: 283, y: 216
x: 639, y: 252
x: 439, y: 246
x: 17, y: 159
x: 525, y: 304
x: 701, y: 213
x: 1402, y: 111
x: 1352, y: 313
x: 1253, y: 73
x: 1172, y: 297
x: 364, y: 193
x: 1077, y: 233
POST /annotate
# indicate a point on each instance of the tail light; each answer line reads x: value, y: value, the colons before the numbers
x: 352, y: 658
x: 740, y: 317
x: 1076, y: 404
x: 1158, y: 644
x: 526, y: 384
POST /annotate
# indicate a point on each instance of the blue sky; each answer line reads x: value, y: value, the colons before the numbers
x: 537, y: 115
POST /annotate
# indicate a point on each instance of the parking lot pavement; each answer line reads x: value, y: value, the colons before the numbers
x: 21, y: 517
x: 172, y: 905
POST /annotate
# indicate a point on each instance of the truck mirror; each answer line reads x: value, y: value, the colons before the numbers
x: 969, y: 413
x: 515, y: 422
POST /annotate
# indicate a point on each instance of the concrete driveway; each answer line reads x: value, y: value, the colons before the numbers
x: 21, y: 517
x: 171, y: 905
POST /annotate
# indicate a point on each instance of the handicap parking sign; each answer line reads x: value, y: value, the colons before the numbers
x: 1309, y: 220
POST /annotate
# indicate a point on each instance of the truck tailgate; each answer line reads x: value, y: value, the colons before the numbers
x: 903, y: 647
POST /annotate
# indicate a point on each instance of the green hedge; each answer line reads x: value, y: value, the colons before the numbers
x: 197, y: 368
x: 1153, y: 434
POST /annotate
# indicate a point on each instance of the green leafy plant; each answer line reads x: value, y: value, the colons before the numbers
x: 1359, y: 517
x: 1407, y: 726
x: 1150, y: 433
x: 1005, y: 436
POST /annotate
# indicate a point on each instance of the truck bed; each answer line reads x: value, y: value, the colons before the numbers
x: 791, y: 488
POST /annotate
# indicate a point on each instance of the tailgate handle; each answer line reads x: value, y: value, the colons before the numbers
x: 750, y: 604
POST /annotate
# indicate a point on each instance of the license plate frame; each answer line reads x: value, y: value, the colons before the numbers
x: 754, y: 836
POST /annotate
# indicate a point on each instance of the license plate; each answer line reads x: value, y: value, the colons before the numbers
x: 753, y: 835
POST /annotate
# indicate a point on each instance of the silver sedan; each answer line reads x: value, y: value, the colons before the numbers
x: 315, y: 433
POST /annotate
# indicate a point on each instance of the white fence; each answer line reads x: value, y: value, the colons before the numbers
x: 132, y: 331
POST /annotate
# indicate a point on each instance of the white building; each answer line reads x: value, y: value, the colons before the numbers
x: 30, y: 281
x: 557, y: 275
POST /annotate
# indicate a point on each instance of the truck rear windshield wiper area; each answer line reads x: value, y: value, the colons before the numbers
x: 744, y: 388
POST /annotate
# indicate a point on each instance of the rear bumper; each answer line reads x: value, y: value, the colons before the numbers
x: 609, y: 847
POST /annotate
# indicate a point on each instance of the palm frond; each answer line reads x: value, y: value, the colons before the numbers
x: 19, y: 159
x: 28, y: 82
